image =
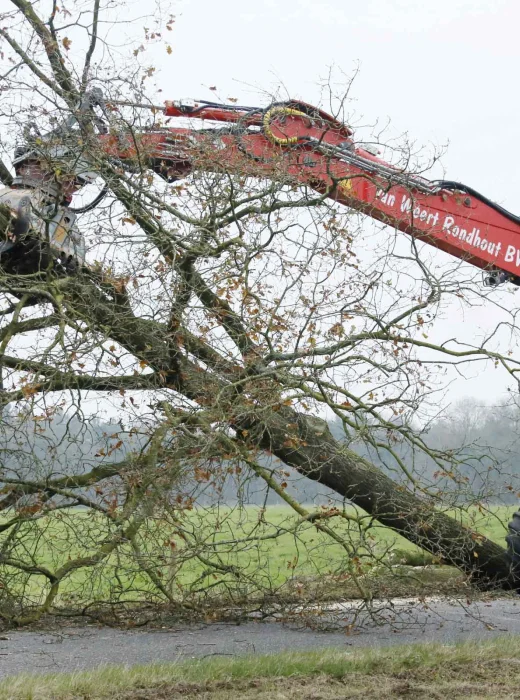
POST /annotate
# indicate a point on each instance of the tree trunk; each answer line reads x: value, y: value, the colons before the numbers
x: 306, y: 443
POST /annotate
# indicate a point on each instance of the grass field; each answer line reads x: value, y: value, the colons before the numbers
x: 474, y: 671
x: 273, y: 551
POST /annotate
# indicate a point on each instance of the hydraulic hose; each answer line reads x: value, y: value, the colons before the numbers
x: 91, y: 205
x: 282, y: 112
x: 451, y: 185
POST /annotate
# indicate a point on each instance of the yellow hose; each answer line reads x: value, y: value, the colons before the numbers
x: 280, y: 111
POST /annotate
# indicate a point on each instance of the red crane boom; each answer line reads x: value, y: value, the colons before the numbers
x: 295, y: 142
x: 314, y: 149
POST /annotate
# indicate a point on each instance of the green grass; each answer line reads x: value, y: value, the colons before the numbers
x: 471, y: 670
x: 295, y: 557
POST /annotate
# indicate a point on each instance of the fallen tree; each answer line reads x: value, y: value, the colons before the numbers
x: 305, y: 443
x: 219, y: 318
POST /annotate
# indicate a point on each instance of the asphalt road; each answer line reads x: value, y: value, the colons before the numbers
x: 76, y: 648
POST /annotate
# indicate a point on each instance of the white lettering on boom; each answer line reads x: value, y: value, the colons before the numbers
x: 473, y: 237
x: 428, y: 217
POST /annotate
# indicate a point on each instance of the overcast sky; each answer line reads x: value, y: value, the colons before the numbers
x: 443, y: 71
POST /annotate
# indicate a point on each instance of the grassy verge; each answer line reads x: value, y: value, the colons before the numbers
x: 471, y: 670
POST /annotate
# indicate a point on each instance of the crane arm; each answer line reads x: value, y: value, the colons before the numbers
x: 290, y: 142
x: 299, y: 143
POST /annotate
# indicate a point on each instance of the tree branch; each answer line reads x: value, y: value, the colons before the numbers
x: 62, y: 75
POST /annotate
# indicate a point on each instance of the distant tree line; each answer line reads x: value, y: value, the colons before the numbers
x: 482, y: 440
